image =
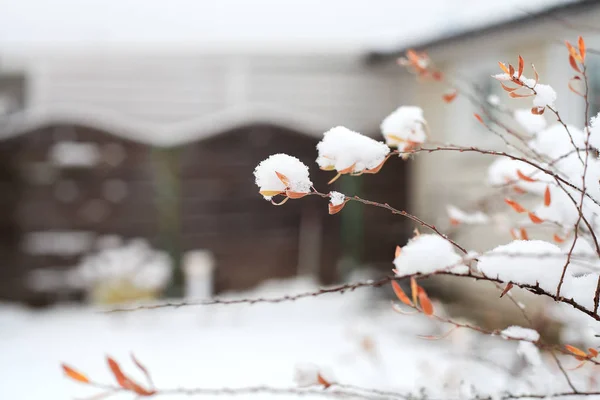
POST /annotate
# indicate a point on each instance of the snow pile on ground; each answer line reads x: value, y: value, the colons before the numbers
x: 351, y: 337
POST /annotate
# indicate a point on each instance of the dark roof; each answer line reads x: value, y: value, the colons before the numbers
x: 552, y: 12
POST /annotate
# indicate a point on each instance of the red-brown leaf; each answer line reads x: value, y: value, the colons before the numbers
x: 519, y: 96
x: 515, y: 206
x: 449, y: 97
x: 74, y: 374
x: 519, y: 190
x: 521, y: 65
x: 503, y: 67
x: 426, y: 305
x: 573, y: 52
x: 558, y: 239
x: 479, y: 118
x: 507, y: 88
x: 117, y: 372
x: 574, y: 63
x: 323, y: 381
x: 336, y: 209
x: 547, y: 197
x: 142, y: 368
x: 535, y: 219
x: 414, y: 289
x: 283, y: 179
x: 506, y: 289
x: 400, y: 294
x: 592, y: 352
x: 538, y: 110
x: 536, y: 75
x: 525, y: 177
x: 398, y: 252
x: 523, y: 233
x: 511, y: 70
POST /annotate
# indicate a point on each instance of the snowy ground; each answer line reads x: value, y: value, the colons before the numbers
x: 235, y: 346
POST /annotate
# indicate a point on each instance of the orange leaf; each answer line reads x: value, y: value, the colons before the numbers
x: 283, y: 179
x: 519, y: 96
x: 515, y: 206
x: 336, y: 209
x: 323, y: 381
x: 558, y: 239
x: 506, y: 289
x: 536, y: 75
x: 437, y: 76
x: 525, y: 177
x: 511, y: 70
x: 592, y: 352
x: 574, y: 350
x: 479, y: 118
x: 535, y: 219
x: 503, y: 67
x: 524, y: 234
x: 574, y: 63
x: 398, y: 251
x: 519, y: 190
x: 454, y: 221
x: 547, y: 198
x: 572, y: 89
x: 507, y: 88
x: 122, y: 380
x: 400, y: 294
x: 270, y: 193
x: 513, y: 234
x: 282, y: 202
x: 521, y: 65
x: 581, y: 44
x: 414, y: 289
x: 347, y: 170
x: 426, y: 305
x: 449, y: 97
x: 75, y: 375
x: 142, y: 368
x: 538, y: 110
x: 294, y: 195
x: 573, y: 52
x: 335, y: 178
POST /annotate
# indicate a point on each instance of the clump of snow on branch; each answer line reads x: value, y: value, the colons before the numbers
x: 545, y: 96
x: 530, y: 353
x: 296, y: 173
x: 344, y: 150
x: 595, y: 131
x: 336, y: 198
x: 518, y: 332
x: 404, y: 128
x: 459, y: 216
x: 426, y: 254
x: 529, y: 262
x: 532, y: 123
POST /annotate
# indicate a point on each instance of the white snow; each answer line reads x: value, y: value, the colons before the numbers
x: 595, y: 131
x: 428, y: 253
x: 458, y: 215
x: 530, y: 353
x: 336, y: 198
x: 293, y: 169
x: 520, y: 262
x: 342, y: 148
x: 545, y: 96
x: 518, y: 332
x: 404, y: 126
x: 74, y: 154
x: 532, y: 123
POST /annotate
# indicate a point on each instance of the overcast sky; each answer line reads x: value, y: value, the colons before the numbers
x: 325, y: 24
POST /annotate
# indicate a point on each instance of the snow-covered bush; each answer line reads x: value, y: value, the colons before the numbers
x: 553, y: 174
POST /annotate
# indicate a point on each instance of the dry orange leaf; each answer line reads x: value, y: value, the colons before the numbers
x: 538, y: 110
x: 426, y: 305
x: 398, y: 251
x: 506, y: 289
x: 126, y: 382
x: 503, y: 67
x: 525, y: 177
x: 294, y: 195
x: 573, y: 52
x: 536, y: 75
x: 400, y: 294
x: 75, y: 375
x: 547, y: 198
x: 283, y: 179
x: 479, y: 118
x: 515, y: 206
x: 521, y: 65
x: 507, y: 88
x: 535, y: 219
x: 519, y: 96
x: 558, y: 239
x: 592, y: 352
x: 524, y: 234
x: 581, y: 44
x: 454, y: 221
x: 414, y: 289
x: 142, y: 368
x: 574, y: 350
x: 513, y: 234
x: 336, y: 209
x: 574, y: 63
x: 270, y: 193
x: 347, y: 170
x: 449, y: 97
x: 519, y: 190
x: 323, y: 381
